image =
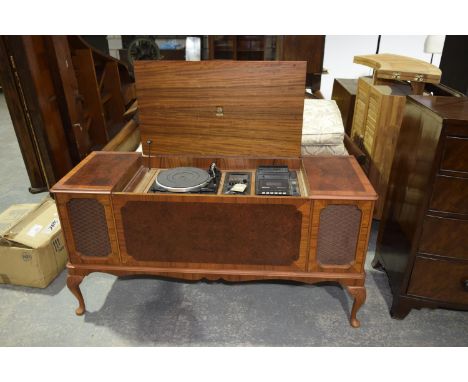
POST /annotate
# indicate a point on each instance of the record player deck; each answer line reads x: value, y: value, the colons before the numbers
x: 188, y: 180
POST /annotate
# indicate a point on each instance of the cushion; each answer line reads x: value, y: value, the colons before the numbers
x: 326, y: 150
x: 322, y: 123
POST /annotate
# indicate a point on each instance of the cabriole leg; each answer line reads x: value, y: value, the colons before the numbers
x: 359, y: 295
x: 73, y: 283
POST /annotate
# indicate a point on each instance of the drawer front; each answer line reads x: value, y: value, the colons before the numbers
x: 455, y: 157
x: 459, y: 129
x: 450, y: 195
x: 439, y: 280
x: 445, y: 237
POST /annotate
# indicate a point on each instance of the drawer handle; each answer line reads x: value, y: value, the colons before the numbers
x: 465, y: 285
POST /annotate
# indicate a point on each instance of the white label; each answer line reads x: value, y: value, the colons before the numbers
x: 51, y: 227
x: 239, y: 187
x: 34, y: 230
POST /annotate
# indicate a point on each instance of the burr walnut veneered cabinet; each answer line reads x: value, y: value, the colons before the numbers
x: 423, y: 236
x: 239, y: 115
x: 379, y: 108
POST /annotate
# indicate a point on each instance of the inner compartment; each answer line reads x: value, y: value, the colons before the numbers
x: 146, y: 177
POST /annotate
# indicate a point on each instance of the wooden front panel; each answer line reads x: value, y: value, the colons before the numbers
x: 381, y: 142
x: 88, y: 228
x: 450, y: 195
x: 225, y: 108
x: 212, y: 232
x: 360, y: 111
x: 439, y: 280
x: 455, y: 156
x: 372, y: 119
x: 339, y: 245
x: 444, y: 237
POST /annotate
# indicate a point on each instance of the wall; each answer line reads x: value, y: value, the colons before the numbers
x: 340, y: 50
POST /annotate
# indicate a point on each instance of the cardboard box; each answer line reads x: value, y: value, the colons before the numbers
x: 32, y: 248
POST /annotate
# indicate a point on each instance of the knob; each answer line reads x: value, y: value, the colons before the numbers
x: 465, y: 285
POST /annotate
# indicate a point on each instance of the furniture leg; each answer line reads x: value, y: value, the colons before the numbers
x: 377, y: 264
x: 399, y: 309
x: 359, y: 295
x: 73, y: 283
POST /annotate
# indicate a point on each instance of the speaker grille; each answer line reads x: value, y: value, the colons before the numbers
x: 89, y: 226
x: 338, y: 234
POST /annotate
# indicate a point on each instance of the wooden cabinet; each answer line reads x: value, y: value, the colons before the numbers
x: 344, y: 94
x: 113, y: 224
x: 422, y: 242
x: 307, y: 48
x: 379, y: 108
x: 377, y: 119
x: 252, y: 48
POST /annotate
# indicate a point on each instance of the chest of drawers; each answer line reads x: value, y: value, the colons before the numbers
x: 423, y: 237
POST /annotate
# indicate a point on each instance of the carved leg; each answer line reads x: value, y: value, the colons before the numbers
x: 73, y: 283
x: 359, y: 295
x: 376, y: 264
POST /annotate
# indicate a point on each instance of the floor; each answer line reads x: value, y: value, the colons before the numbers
x: 153, y: 312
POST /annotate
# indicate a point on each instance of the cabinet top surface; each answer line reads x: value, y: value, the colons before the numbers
x: 101, y: 171
x: 350, y: 84
x: 453, y: 108
x: 230, y: 108
x: 335, y: 177
x: 385, y: 64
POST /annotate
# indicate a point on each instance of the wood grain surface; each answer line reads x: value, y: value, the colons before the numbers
x: 228, y: 108
x: 387, y: 65
x: 336, y: 177
x: 422, y: 241
x: 101, y: 171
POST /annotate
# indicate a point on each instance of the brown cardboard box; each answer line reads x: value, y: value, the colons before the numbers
x: 32, y: 250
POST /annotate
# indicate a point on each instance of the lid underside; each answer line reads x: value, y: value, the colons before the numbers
x: 221, y: 108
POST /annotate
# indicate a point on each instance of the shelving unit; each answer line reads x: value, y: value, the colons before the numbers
x: 251, y: 48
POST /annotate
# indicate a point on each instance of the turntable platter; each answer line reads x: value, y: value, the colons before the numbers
x: 183, y: 179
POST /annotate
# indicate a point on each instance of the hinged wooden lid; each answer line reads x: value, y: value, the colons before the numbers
x: 222, y: 108
x: 395, y: 67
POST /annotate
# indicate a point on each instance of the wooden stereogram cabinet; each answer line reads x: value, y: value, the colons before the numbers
x: 239, y: 115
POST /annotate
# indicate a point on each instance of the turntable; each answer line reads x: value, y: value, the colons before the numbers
x: 188, y: 180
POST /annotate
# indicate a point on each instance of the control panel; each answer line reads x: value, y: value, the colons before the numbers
x: 237, y: 183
